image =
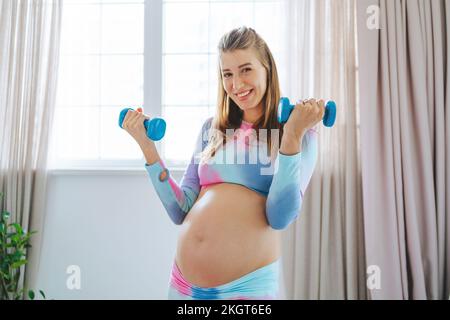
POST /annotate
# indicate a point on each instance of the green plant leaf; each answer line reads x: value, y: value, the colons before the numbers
x: 17, y: 255
x: 14, y: 240
x: 18, y: 228
x: 17, y: 264
x: 5, y: 215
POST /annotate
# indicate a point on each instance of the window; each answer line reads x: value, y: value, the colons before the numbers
x: 100, y: 72
x: 160, y: 54
x: 190, y: 61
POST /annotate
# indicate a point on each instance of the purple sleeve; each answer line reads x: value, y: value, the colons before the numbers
x: 176, y: 198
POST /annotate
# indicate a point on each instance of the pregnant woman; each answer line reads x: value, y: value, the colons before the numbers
x: 231, y: 209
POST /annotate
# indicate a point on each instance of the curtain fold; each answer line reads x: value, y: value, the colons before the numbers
x: 404, y: 144
x: 29, y: 54
x: 323, y: 251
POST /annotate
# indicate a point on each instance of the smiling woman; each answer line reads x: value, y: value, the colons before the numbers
x: 249, y: 78
x: 189, y: 66
x: 229, y: 249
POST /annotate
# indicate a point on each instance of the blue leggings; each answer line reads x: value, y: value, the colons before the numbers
x: 261, y: 284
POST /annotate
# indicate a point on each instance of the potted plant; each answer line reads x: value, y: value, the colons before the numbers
x: 14, y: 241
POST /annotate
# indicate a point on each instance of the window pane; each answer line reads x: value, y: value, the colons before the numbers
x: 225, y: 17
x: 183, y: 126
x: 122, y: 80
x: 212, y: 0
x: 264, y: 12
x: 109, y: 34
x: 116, y: 143
x: 90, y: 80
x: 101, y: 1
x: 77, y: 132
x: 168, y: 1
x: 213, y: 79
x: 185, y: 28
x: 212, y: 110
x: 80, y: 33
x: 185, y: 80
x: 78, y: 81
x: 123, y: 28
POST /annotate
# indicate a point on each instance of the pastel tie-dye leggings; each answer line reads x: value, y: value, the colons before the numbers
x: 261, y: 284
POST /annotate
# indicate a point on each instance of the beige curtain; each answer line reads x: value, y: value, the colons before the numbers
x: 29, y: 50
x: 405, y: 139
x: 323, y: 251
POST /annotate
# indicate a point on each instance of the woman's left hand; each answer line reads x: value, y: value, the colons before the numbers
x: 305, y: 115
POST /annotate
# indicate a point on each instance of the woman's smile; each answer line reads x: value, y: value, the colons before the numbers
x: 242, y: 97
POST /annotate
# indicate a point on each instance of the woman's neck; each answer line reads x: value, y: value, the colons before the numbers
x: 252, y: 115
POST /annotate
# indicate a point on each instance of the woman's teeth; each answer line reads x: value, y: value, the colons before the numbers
x: 244, y: 94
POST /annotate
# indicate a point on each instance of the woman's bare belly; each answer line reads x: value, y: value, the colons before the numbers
x: 225, y: 236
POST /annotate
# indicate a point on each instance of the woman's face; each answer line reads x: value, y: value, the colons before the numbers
x: 242, y: 72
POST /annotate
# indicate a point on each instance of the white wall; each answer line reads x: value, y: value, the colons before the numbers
x: 113, y: 226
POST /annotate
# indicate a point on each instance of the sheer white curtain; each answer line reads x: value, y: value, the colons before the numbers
x: 323, y: 251
x: 29, y: 50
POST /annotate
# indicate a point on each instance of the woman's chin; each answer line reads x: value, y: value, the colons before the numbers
x: 246, y: 106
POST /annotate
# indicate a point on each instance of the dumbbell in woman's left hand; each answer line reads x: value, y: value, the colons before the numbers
x: 305, y: 115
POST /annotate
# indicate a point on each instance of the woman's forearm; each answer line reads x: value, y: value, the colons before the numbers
x: 291, y: 144
x: 149, y: 150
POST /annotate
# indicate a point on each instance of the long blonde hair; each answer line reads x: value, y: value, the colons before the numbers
x: 228, y: 114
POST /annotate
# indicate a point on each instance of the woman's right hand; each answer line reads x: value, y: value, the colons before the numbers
x: 133, y: 123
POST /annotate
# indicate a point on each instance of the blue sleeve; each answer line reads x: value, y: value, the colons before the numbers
x: 289, y: 183
x: 178, y: 199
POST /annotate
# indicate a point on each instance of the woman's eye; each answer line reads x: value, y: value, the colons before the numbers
x: 226, y: 75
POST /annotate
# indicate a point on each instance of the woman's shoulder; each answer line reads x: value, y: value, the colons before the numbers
x: 205, y: 131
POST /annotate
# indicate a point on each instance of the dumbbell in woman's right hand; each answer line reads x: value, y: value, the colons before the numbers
x: 154, y: 129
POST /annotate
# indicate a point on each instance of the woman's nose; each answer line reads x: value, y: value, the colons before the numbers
x: 237, y: 83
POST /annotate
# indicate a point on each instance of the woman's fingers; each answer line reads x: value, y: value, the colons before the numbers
x: 131, y: 118
x: 125, y: 120
x: 312, y: 108
x: 128, y: 118
x: 315, y: 109
x: 138, y: 118
x: 322, y: 108
x: 142, y: 112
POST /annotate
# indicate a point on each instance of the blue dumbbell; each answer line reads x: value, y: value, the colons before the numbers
x: 285, y: 109
x: 156, y: 127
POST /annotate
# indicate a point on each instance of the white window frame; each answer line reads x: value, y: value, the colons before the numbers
x: 153, y: 24
x: 152, y: 100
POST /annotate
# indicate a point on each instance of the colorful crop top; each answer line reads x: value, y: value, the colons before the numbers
x: 244, y: 161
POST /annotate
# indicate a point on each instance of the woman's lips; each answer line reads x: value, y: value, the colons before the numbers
x: 245, y: 97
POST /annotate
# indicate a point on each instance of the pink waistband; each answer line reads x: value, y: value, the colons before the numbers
x: 178, y: 281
